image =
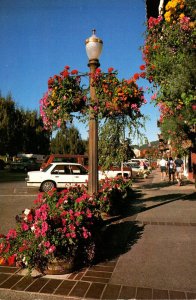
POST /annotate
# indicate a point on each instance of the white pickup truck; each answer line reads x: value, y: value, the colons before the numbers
x: 61, y: 175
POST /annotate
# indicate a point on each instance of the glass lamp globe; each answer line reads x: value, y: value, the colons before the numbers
x: 93, y: 46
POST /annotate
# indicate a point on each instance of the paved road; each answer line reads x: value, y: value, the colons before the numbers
x: 14, y: 197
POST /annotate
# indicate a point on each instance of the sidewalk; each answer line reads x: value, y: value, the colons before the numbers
x: 152, y: 253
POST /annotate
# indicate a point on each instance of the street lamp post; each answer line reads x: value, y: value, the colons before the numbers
x: 93, y: 49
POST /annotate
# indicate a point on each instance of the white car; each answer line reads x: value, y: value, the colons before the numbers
x: 59, y: 175
x: 137, y: 170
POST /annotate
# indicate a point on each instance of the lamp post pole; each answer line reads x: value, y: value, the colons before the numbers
x: 93, y: 49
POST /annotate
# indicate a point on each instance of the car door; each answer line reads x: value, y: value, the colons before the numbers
x: 62, y: 176
x: 80, y: 174
x: 67, y: 175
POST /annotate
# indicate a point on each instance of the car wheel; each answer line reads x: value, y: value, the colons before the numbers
x: 47, y: 186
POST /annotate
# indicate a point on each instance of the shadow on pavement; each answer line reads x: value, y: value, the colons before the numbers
x: 138, y: 204
x: 159, y: 185
x: 116, y: 239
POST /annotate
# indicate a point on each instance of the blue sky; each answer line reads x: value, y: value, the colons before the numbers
x: 39, y: 37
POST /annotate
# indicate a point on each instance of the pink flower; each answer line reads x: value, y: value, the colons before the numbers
x: 52, y: 249
x: 73, y: 235
x: 59, y: 123
x: 152, y: 22
x: 37, y: 231
x: 72, y: 227
x: 47, y: 244
x: 88, y: 213
x: 11, y: 234
x: 24, y: 227
x: 44, y: 228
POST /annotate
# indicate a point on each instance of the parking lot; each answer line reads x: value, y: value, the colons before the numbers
x: 14, y: 198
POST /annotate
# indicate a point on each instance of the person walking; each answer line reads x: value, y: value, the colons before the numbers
x: 171, y: 169
x: 163, y: 167
x: 179, y: 169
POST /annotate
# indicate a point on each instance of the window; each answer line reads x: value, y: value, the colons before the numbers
x: 61, y: 169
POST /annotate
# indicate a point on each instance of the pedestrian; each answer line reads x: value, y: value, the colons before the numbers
x: 171, y: 169
x: 179, y: 169
x: 163, y: 167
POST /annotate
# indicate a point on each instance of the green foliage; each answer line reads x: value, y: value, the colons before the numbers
x: 113, y: 148
x: 21, y: 131
x: 68, y: 141
x: 169, y: 54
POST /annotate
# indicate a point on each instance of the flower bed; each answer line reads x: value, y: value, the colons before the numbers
x: 61, y: 225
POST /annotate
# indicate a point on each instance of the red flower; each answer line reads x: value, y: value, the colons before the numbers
x: 11, y: 260
x: 136, y: 76
x: 67, y: 67
x: 65, y: 73
x: 50, y: 82
x: 74, y: 72
x: 98, y: 70
x: 143, y: 74
x: 30, y: 218
x: 142, y: 67
x: 110, y: 70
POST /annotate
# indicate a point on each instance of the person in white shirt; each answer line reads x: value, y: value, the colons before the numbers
x: 163, y: 167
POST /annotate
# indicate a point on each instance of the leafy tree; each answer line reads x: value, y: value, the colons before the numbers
x: 113, y: 147
x: 35, y: 138
x: 21, y: 131
x: 10, y: 125
x: 68, y: 141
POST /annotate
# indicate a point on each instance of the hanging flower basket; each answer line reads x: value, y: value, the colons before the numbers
x: 66, y: 96
x: 114, y: 97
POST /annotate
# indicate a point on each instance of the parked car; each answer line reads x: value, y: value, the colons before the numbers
x: 143, y: 162
x: 83, y: 160
x: 115, y: 171
x: 58, y: 175
x: 137, y: 170
x: 73, y: 158
x: 24, y: 164
x: 61, y: 175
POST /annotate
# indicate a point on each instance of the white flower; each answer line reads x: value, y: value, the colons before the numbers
x: 27, y: 211
x: 33, y: 228
x: 25, y: 261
